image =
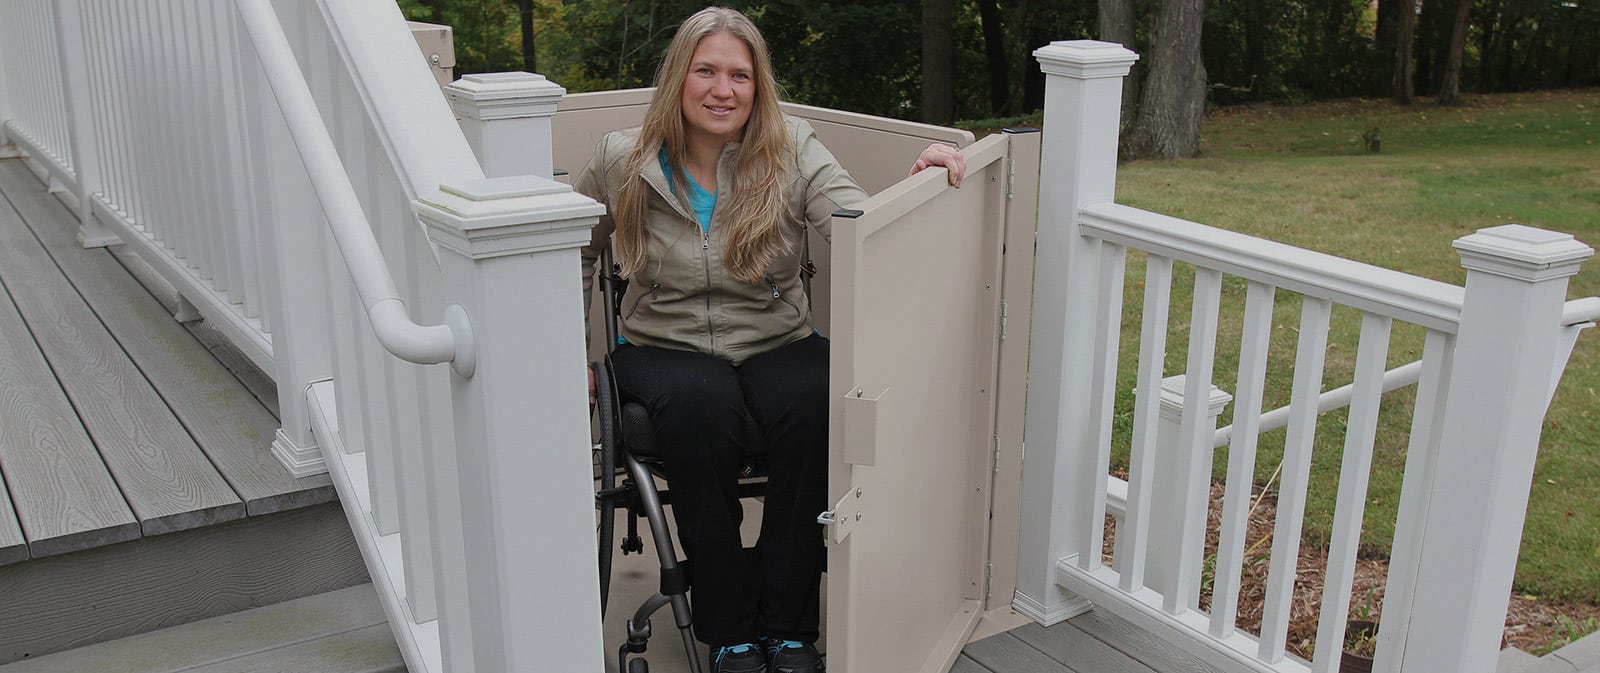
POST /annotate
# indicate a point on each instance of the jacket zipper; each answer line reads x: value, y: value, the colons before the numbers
x: 705, y: 256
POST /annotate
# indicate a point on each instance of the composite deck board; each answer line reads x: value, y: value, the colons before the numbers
x: 1096, y: 642
x: 13, y: 547
x: 1082, y: 652
x: 1004, y: 653
x: 259, y: 384
x: 223, y: 417
x: 965, y: 664
x: 165, y: 478
x: 1158, y: 654
x: 65, y: 499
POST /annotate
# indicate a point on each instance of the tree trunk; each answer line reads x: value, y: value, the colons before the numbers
x: 1167, y: 125
x: 938, y: 61
x: 994, y: 49
x: 1116, y: 25
x: 1405, y: 32
x: 1450, y: 88
x: 530, y: 61
x: 1033, y: 37
x: 1381, y: 83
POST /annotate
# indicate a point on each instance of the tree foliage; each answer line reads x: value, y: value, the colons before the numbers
x: 866, y: 55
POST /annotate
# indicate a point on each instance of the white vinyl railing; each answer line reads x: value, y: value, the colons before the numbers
x: 237, y: 146
x: 1492, y: 354
x: 291, y: 167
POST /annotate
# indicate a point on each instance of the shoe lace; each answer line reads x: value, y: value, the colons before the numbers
x: 726, y: 650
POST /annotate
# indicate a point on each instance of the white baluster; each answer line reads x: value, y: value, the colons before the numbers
x: 1113, y: 260
x: 1235, y: 522
x: 1082, y: 101
x: 1493, y: 414
x: 1361, y: 431
x: 1196, y: 430
x: 1310, y: 355
x: 1133, y: 534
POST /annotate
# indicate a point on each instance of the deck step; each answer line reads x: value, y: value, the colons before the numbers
x: 341, y: 631
x: 67, y: 601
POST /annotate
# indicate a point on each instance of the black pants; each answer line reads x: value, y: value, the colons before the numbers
x: 698, y: 403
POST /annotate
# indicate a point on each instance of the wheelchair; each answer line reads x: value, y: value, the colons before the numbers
x: 627, y: 468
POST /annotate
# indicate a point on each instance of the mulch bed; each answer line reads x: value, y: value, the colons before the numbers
x: 1533, y: 624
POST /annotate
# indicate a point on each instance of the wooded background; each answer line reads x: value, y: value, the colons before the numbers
x: 942, y: 60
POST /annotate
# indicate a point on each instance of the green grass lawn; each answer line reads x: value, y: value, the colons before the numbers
x: 1301, y: 175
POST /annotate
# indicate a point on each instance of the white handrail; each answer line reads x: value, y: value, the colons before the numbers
x: 1579, y: 311
x: 1402, y: 296
x: 391, y: 323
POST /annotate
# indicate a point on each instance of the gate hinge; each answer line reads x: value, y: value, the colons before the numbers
x: 988, y: 580
x: 1011, y: 178
x: 1003, y: 320
x: 996, y: 459
x: 843, y: 517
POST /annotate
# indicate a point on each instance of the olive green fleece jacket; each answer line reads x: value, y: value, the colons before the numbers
x: 685, y: 298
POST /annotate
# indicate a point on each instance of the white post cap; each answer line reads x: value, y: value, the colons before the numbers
x: 1172, y: 393
x: 504, y: 95
x: 1085, y: 59
x: 518, y: 214
x: 1522, y: 252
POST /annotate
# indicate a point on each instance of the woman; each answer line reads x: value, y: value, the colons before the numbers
x: 708, y: 202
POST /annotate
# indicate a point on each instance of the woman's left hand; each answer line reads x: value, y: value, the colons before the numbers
x: 939, y: 154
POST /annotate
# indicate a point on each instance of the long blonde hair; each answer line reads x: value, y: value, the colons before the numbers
x: 754, y: 237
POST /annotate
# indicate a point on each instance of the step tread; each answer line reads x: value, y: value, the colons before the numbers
x: 298, y: 630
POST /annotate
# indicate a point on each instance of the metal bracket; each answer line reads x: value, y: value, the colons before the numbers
x: 843, y: 517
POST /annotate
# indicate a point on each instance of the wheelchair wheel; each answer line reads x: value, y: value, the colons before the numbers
x: 605, y: 499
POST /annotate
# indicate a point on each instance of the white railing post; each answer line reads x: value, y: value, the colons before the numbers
x: 298, y: 301
x: 1169, y: 514
x: 508, y: 248
x: 71, y: 50
x: 506, y: 118
x: 1083, y: 92
x: 1493, y: 413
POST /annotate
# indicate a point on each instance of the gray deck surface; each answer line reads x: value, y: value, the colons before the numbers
x: 119, y: 422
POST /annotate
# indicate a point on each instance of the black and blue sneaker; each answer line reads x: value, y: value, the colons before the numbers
x: 792, y: 656
x: 742, y: 658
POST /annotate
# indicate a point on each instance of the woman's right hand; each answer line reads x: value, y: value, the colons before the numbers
x: 940, y: 154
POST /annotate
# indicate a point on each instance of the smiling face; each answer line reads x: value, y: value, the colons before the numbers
x: 718, y: 90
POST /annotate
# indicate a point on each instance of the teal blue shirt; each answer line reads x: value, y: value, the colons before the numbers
x: 701, y: 200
